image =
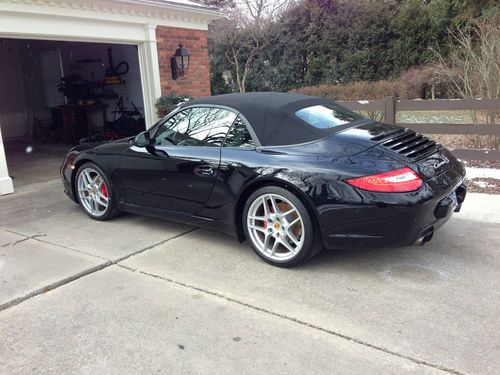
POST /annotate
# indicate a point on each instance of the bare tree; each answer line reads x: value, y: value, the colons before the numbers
x: 473, y: 68
x: 473, y: 65
x: 245, y: 32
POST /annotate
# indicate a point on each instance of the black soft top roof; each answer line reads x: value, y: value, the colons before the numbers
x: 272, y: 115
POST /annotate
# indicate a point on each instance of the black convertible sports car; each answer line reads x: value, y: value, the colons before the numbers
x: 290, y: 173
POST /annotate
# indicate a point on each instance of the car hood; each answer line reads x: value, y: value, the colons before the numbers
x: 117, y: 145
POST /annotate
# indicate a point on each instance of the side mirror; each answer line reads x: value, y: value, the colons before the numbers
x: 142, y: 139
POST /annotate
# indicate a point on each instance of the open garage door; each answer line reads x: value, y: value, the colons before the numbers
x: 56, y: 94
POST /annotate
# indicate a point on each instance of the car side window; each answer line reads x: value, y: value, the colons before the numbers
x: 196, y: 127
x: 239, y: 136
x: 220, y: 123
x: 166, y: 133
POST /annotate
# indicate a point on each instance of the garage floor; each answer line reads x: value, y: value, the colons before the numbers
x: 32, y: 162
x: 137, y: 294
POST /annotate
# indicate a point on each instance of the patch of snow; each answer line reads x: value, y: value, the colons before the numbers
x: 482, y: 184
x: 482, y: 173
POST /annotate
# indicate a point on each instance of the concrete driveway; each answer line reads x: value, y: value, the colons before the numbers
x: 139, y: 295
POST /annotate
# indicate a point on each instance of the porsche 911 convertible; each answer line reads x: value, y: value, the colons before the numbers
x: 290, y: 173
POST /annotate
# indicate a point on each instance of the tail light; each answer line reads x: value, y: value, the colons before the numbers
x: 397, y: 181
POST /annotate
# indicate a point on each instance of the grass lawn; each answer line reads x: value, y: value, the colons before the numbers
x: 436, y: 117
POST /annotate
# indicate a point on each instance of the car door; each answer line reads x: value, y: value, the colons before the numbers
x: 177, y: 172
x: 238, y: 164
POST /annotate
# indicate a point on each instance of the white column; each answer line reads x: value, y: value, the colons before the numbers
x: 6, y: 186
x: 150, y: 74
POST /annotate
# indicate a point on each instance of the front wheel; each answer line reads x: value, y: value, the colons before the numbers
x: 279, y: 227
x: 94, y: 192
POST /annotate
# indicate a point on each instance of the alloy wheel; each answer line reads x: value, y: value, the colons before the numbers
x: 93, y: 192
x: 276, y: 227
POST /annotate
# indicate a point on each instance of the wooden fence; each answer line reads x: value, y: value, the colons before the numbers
x: 390, y: 106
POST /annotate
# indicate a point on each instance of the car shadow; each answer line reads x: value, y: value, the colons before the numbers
x: 433, y: 255
x: 326, y: 259
x: 356, y: 256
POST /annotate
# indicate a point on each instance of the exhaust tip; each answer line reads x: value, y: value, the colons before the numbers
x: 426, y: 237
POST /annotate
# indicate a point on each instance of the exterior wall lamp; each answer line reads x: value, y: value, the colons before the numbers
x: 179, y: 62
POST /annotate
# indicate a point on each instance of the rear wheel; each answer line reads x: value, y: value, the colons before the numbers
x: 94, y: 192
x: 279, y: 227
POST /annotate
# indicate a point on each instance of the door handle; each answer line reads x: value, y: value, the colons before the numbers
x: 204, y: 170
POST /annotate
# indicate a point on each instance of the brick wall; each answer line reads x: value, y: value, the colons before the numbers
x: 196, y: 82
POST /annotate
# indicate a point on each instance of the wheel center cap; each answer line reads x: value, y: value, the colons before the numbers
x: 277, y: 226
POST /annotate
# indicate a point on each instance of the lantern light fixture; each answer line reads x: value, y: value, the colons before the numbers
x: 180, y: 62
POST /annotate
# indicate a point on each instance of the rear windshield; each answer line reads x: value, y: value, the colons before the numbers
x: 327, y: 116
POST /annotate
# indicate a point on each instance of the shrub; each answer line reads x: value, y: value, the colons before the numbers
x: 363, y: 90
x: 429, y: 80
x: 166, y: 104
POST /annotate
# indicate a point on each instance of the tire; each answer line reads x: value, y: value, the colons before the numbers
x: 283, y: 236
x: 94, y: 193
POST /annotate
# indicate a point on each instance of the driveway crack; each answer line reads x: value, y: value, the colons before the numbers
x: 154, y: 245
x: 45, y: 289
x: 34, y: 237
x: 301, y: 322
x: 79, y: 275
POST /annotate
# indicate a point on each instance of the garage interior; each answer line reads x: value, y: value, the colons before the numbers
x: 56, y: 94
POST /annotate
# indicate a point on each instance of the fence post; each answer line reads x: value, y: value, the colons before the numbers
x: 390, y: 110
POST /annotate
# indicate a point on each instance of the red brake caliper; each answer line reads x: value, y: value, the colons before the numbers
x: 104, y: 190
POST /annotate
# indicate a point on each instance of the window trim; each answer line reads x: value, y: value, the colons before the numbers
x: 254, y: 147
x: 247, y: 125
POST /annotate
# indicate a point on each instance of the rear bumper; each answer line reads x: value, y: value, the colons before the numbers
x: 379, y: 224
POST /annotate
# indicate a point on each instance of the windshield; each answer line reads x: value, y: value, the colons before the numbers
x: 327, y: 116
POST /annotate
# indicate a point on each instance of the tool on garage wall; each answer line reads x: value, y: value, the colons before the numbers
x: 113, y: 74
